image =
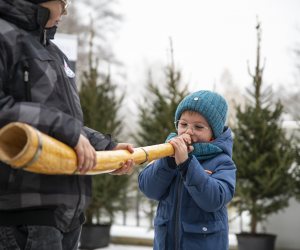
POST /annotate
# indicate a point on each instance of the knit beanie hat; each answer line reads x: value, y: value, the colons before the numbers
x: 209, y: 104
x: 38, y: 1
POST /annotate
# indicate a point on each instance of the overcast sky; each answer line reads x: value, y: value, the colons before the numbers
x: 208, y: 36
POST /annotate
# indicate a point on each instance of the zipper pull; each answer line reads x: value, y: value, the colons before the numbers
x: 45, y: 41
x: 26, y: 75
x: 27, y: 84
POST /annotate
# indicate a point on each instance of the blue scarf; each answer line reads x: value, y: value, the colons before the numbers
x: 202, y: 151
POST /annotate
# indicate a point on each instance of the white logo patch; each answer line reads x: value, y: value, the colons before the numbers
x: 69, y: 72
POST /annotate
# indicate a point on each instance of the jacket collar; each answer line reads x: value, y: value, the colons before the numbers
x: 28, y: 16
x: 51, y: 32
x: 225, y: 141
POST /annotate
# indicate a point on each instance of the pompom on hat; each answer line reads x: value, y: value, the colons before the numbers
x: 209, y: 104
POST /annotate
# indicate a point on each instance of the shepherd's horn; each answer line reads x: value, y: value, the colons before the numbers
x: 24, y: 147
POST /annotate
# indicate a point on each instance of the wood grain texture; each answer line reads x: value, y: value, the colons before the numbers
x: 19, y: 143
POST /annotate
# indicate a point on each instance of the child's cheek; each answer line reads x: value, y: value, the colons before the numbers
x: 203, y: 139
x: 180, y: 133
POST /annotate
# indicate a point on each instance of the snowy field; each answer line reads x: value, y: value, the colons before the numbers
x: 131, y: 230
x: 124, y: 247
x: 141, y: 232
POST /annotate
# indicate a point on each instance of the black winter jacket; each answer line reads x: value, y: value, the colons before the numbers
x: 50, y: 104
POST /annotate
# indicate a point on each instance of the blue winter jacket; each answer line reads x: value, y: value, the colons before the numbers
x: 192, y: 214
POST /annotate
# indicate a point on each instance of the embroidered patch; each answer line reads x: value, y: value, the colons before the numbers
x: 69, y: 72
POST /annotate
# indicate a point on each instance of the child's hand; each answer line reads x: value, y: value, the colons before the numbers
x: 182, y: 148
x: 186, y: 138
x: 188, y: 142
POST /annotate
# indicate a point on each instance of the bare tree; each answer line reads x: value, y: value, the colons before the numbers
x: 105, y: 23
x: 232, y: 94
x: 289, y: 93
x: 290, y: 98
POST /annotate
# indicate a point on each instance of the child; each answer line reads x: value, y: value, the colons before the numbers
x: 193, y: 188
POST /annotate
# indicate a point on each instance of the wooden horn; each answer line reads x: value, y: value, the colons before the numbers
x: 24, y: 147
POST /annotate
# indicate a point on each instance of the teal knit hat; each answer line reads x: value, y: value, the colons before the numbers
x: 209, y: 104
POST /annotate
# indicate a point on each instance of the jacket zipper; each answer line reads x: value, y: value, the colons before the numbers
x: 68, y: 94
x: 79, y: 201
x: 45, y: 37
x: 177, y: 212
x: 62, y: 71
x: 27, y: 85
x: 66, y: 89
x: 73, y: 114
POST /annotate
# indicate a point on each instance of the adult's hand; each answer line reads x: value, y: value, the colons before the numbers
x: 86, y: 155
x: 126, y: 146
x: 129, y: 165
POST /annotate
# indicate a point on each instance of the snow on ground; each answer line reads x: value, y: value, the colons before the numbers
x: 145, y: 233
x: 135, y: 232
x: 141, y: 232
x: 124, y: 247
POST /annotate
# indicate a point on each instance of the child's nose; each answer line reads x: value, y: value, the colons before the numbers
x: 189, y: 130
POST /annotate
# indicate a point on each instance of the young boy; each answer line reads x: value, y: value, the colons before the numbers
x: 193, y: 188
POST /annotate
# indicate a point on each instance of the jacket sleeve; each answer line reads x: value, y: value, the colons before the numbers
x: 98, y: 140
x: 50, y: 121
x: 155, y: 179
x: 213, y: 191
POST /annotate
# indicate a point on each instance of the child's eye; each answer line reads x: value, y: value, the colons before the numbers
x: 199, y: 126
x: 183, y: 124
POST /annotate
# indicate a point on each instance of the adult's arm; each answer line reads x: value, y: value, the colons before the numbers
x: 98, y: 140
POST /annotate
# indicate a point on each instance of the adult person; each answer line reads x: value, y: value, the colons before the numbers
x: 41, y: 211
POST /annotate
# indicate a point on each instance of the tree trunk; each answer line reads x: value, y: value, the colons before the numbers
x: 253, y: 217
x: 253, y: 225
x: 124, y: 218
x: 151, y: 214
x: 138, y: 209
x: 89, y: 217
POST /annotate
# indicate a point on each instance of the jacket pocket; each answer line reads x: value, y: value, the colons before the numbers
x: 208, y: 235
x: 15, y: 180
x: 160, y: 236
x: 4, y: 177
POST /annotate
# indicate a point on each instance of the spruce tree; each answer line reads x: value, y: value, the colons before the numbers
x: 296, y: 173
x: 157, y: 113
x: 100, y: 106
x: 263, y: 155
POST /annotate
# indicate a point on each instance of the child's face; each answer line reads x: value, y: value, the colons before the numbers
x: 204, y: 137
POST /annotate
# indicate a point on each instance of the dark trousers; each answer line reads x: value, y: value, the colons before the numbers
x: 38, y: 238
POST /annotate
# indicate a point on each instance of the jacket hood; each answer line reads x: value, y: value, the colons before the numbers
x: 225, y: 141
x: 28, y: 16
